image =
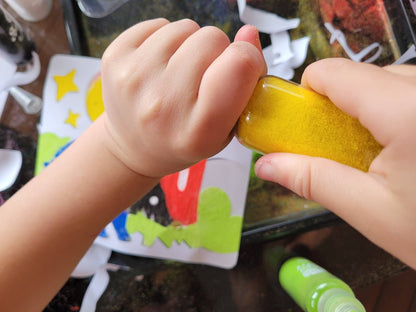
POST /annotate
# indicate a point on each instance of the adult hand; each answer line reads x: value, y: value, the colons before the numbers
x: 380, y: 203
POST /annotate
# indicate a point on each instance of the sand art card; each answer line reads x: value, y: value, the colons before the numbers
x: 194, y: 216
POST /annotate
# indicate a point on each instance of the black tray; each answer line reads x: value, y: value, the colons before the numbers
x: 272, y: 211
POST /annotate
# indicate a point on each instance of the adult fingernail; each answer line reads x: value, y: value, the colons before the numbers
x: 264, y: 169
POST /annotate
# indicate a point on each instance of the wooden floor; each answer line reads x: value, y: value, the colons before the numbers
x: 397, y: 294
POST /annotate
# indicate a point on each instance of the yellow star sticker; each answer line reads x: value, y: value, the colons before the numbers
x: 72, y: 119
x: 65, y: 84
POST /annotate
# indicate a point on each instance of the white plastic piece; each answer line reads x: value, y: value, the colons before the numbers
x: 31, y: 10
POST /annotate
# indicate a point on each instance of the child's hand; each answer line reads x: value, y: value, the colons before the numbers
x: 381, y: 203
x: 173, y: 92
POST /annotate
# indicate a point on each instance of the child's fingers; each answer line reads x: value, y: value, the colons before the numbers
x: 188, y: 64
x: 226, y: 88
x: 146, y: 62
x: 163, y: 43
x: 134, y: 36
x: 250, y: 34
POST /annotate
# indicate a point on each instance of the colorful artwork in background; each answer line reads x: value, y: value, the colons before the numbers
x: 192, y: 216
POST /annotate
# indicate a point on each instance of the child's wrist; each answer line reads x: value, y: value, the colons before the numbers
x: 112, y: 146
x: 119, y: 184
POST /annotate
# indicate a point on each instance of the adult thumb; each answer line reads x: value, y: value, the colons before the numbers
x: 342, y: 189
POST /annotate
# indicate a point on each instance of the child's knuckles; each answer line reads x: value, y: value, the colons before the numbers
x: 214, y: 35
x: 247, y: 58
x: 155, y: 112
x: 187, y: 23
x: 110, y: 57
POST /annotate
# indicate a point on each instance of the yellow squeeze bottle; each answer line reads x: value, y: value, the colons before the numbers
x: 282, y: 116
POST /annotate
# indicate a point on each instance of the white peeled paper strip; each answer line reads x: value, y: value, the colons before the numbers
x: 283, y: 55
x: 94, y: 262
x: 406, y: 56
x: 10, y: 165
x: 265, y: 22
x: 93, y: 259
x: 3, y: 99
x: 286, y: 70
x: 281, y: 46
x: 300, y: 51
x: 95, y: 290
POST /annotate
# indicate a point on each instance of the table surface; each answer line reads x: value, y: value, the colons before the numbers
x: 153, y: 285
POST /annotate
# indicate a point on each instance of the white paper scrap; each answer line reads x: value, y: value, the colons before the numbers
x: 10, y: 165
x: 283, y: 55
x: 265, y: 22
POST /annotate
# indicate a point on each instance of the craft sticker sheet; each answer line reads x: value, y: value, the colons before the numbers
x: 192, y: 216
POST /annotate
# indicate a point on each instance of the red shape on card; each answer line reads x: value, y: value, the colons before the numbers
x: 182, y: 193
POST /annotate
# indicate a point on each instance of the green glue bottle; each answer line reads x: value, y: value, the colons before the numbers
x: 316, y: 290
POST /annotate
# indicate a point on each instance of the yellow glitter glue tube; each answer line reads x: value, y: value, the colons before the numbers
x: 282, y: 116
